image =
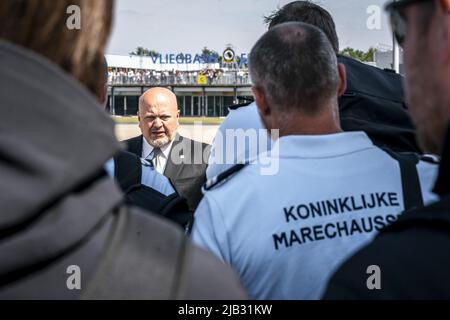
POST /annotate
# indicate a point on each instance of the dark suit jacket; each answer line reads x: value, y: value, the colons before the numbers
x: 374, y: 102
x: 186, y: 166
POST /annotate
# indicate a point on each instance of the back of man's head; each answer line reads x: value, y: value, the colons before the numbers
x: 307, y: 12
x: 43, y: 26
x: 295, y: 66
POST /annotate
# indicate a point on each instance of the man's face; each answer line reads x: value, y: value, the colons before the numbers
x: 426, y: 79
x: 159, y: 119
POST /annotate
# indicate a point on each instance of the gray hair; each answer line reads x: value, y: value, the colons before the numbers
x: 295, y: 65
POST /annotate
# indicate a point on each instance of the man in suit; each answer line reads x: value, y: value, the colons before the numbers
x: 180, y: 159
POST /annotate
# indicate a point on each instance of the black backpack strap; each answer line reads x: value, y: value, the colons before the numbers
x: 176, y: 209
x: 240, y: 105
x: 127, y: 170
x: 412, y: 192
x: 173, y: 207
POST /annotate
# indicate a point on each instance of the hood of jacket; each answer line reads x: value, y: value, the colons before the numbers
x: 54, y: 141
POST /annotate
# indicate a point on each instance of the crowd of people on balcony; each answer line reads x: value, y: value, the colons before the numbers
x: 176, y: 77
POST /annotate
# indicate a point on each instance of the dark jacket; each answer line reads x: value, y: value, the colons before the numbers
x: 413, y: 254
x: 60, y: 212
x: 186, y: 166
x: 374, y: 102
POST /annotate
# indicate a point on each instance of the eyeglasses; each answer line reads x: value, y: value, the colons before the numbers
x: 398, y: 18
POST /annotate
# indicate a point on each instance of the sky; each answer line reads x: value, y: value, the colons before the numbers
x: 183, y: 26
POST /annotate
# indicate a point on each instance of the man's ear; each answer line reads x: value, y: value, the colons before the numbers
x: 444, y: 32
x: 103, y: 98
x: 139, y: 118
x: 261, y: 101
x: 445, y: 5
x: 342, y: 80
x: 264, y: 110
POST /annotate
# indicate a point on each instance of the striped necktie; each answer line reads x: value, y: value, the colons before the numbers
x: 156, y: 160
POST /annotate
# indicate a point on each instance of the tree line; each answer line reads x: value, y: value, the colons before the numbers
x: 360, y: 55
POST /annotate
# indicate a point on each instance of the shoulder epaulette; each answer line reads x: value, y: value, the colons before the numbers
x: 430, y: 158
x: 146, y: 163
x: 209, y: 185
x: 241, y: 105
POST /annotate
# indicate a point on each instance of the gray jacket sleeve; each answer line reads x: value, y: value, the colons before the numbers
x: 207, y: 278
x: 148, y: 258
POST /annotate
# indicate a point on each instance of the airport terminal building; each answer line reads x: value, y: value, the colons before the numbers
x: 202, y: 89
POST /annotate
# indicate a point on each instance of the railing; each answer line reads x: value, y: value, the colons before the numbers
x: 227, y: 79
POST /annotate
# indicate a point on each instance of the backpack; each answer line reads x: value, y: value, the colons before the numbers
x: 374, y: 102
x: 128, y: 173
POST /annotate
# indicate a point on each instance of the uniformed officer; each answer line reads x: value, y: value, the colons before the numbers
x: 286, y: 232
x: 149, y: 177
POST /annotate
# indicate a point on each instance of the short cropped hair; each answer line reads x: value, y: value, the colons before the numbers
x: 295, y: 65
x: 307, y: 12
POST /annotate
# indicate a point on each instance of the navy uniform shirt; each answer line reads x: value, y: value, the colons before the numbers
x: 285, y: 230
x: 150, y: 178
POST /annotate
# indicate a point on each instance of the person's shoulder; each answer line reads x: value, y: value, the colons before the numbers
x: 428, y: 167
x: 354, y: 63
x: 151, y: 224
x: 427, y: 218
x: 421, y: 160
x: 148, y: 245
x: 244, y: 118
x: 165, y: 263
x: 232, y: 174
x: 133, y: 140
x: 243, y: 110
x: 194, y: 143
x: 240, y: 106
x: 430, y: 159
x: 196, y: 267
x: 147, y: 164
x: 201, y: 280
x: 367, y: 79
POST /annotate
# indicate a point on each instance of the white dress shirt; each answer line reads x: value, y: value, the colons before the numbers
x: 147, y: 153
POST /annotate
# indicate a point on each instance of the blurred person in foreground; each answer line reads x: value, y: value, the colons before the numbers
x: 64, y: 233
x: 411, y: 258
